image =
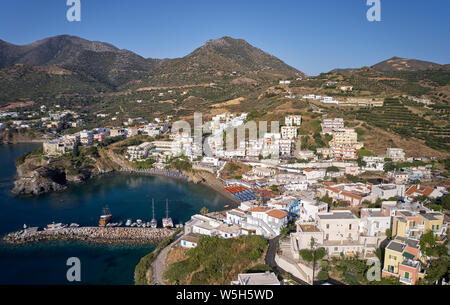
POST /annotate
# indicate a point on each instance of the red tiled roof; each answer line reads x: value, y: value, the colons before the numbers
x: 277, y: 214
x: 424, y: 190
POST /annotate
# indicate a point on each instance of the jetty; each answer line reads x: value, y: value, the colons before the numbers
x: 157, y: 172
x: 101, y: 235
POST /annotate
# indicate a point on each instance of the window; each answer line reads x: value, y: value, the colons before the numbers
x: 350, y: 226
x: 437, y: 227
x: 328, y: 226
x: 406, y: 275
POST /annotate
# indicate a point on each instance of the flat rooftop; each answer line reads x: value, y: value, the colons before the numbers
x: 268, y: 278
x: 395, y: 246
x: 309, y: 228
x: 337, y: 215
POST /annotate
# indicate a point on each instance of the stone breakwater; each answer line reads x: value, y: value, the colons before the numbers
x: 91, y: 234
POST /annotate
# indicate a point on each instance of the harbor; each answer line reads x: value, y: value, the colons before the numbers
x: 100, y: 235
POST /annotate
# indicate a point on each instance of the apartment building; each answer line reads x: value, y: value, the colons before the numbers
x: 396, y: 154
x: 293, y: 120
x: 86, y: 137
x: 344, y: 136
x: 402, y: 260
x: 328, y: 125
x: 386, y: 191
x: 139, y: 152
x: 374, y: 222
x: 337, y: 232
x: 288, y: 132
x: 411, y: 224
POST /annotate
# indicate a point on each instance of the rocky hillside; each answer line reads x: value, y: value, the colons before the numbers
x: 65, y: 64
x: 224, y: 56
x: 406, y: 64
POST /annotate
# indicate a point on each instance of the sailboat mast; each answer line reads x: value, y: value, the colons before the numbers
x: 153, y: 208
x: 167, y: 208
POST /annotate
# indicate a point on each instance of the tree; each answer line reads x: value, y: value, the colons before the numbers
x: 333, y: 169
x: 446, y: 202
x: 204, y: 211
x: 389, y: 233
x: 389, y: 166
x: 437, y: 270
x: 313, y: 255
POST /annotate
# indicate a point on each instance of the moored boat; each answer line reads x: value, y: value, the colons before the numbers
x: 54, y: 226
x: 167, y: 222
x: 105, y: 218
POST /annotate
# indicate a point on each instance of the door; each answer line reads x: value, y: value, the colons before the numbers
x: 407, y: 275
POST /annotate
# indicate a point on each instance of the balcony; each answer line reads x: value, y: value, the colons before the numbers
x: 405, y: 281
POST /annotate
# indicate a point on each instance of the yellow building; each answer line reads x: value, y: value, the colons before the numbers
x: 399, y: 226
x: 432, y: 222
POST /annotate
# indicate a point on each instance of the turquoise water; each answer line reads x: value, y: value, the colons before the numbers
x: 127, y: 196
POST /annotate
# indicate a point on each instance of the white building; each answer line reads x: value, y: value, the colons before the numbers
x: 293, y: 120
x: 396, y: 154
x: 289, y: 132
x: 86, y: 137
x: 374, y: 223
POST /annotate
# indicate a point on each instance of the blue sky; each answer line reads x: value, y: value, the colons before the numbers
x: 312, y: 35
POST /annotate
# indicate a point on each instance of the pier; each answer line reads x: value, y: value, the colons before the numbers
x: 108, y: 235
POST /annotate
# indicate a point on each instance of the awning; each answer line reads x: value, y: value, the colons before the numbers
x: 408, y: 255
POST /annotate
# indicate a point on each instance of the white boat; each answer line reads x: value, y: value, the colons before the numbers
x: 74, y: 225
x: 139, y: 222
x: 167, y: 222
x: 133, y: 224
x: 128, y: 223
x: 54, y: 226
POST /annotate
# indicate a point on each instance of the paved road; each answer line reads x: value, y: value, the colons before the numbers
x: 159, y: 262
x: 270, y: 260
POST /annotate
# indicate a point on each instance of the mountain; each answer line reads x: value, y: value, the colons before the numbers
x: 405, y: 64
x: 102, y: 61
x: 228, y: 54
x: 343, y: 70
x: 114, y: 67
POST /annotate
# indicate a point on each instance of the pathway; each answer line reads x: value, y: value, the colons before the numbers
x: 160, y: 261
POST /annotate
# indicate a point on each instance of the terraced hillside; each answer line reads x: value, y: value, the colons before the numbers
x: 396, y: 117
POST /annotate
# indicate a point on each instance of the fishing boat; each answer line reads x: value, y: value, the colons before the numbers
x: 128, y: 223
x: 154, y: 222
x: 105, y: 218
x: 167, y: 222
